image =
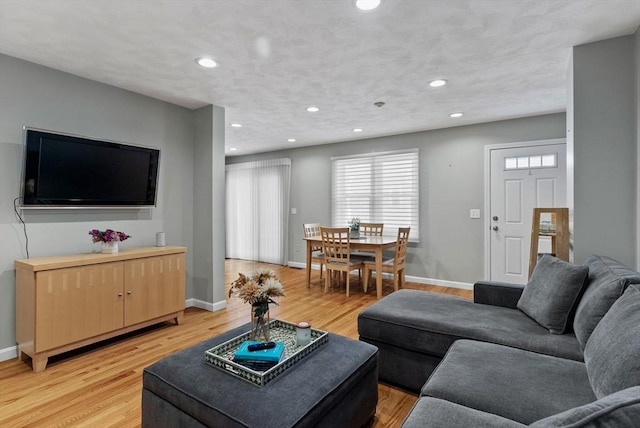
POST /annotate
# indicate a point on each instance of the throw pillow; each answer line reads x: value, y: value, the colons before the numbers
x: 621, y: 409
x: 612, y: 354
x: 607, y: 281
x: 552, y: 292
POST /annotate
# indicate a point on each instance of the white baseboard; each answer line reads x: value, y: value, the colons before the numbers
x: 419, y: 280
x: 440, y: 282
x: 314, y: 266
x: 8, y: 353
x: 216, y: 306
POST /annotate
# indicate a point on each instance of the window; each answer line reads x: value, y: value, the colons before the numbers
x: 257, y: 205
x: 529, y: 162
x: 378, y: 188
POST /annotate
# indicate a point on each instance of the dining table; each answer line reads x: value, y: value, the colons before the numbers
x: 373, y: 244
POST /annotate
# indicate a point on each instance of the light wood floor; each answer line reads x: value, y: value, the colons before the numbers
x: 100, y: 385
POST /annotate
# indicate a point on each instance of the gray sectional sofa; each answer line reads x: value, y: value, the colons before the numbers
x: 564, y: 350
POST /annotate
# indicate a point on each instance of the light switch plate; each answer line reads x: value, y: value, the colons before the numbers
x: 474, y: 213
x: 294, y: 211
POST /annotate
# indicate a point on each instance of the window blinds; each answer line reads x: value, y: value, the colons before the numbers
x: 378, y: 187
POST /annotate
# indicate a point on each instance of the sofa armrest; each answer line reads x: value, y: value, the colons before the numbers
x: 497, y: 293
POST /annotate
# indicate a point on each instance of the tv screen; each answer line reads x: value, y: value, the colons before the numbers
x: 63, y: 171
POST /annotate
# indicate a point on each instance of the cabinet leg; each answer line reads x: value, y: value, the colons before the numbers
x: 179, y: 317
x: 39, y: 362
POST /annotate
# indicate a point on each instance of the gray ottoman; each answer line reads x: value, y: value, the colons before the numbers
x: 336, y: 385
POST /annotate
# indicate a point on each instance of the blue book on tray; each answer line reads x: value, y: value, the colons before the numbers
x: 273, y: 355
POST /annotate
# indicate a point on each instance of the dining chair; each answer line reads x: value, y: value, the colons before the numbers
x: 371, y: 229
x: 313, y: 229
x: 337, y: 255
x: 395, y: 264
x: 368, y: 229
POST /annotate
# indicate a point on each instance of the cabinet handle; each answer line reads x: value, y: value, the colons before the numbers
x: 119, y: 294
x: 129, y: 292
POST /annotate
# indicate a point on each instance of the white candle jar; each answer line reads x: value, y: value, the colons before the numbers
x: 160, y: 239
x: 303, y: 333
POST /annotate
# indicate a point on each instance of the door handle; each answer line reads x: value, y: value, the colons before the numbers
x: 495, y: 228
x: 495, y: 218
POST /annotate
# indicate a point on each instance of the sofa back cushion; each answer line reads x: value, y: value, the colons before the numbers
x: 612, y: 354
x: 552, y: 292
x: 621, y: 409
x: 607, y: 281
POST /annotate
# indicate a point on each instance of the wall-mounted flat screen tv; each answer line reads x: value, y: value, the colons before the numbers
x: 68, y: 171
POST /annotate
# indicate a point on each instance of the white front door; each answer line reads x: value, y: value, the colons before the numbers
x: 521, y: 178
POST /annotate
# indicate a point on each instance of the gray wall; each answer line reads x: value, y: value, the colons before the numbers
x: 637, y: 54
x: 217, y: 199
x: 451, y: 246
x: 208, y: 242
x: 604, y: 123
x: 202, y: 267
x: 41, y: 97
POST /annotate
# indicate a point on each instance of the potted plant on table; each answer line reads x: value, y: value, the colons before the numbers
x: 109, y: 239
x: 258, y: 290
x: 354, y: 228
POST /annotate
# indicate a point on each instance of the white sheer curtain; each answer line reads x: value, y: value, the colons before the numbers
x: 257, y: 208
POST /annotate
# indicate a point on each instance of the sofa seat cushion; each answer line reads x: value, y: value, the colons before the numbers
x: 429, y: 323
x: 607, y: 281
x: 429, y: 412
x: 519, y: 385
x: 612, y: 354
x: 552, y: 292
x: 621, y: 409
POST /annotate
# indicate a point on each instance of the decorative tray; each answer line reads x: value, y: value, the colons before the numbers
x: 221, y: 356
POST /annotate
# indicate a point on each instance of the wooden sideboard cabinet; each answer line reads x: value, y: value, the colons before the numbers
x: 65, y: 302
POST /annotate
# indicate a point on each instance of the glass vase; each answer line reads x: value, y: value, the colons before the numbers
x: 260, y: 322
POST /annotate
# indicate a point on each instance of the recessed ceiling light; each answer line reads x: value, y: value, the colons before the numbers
x: 236, y: 125
x: 312, y: 109
x: 291, y: 140
x: 437, y: 83
x: 232, y: 149
x: 367, y: 4
x: 357, y: 129
x: 206, y: 62
x: 456, y: 114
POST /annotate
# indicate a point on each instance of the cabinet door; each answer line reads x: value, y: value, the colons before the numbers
x: 154, y: 287
x: 77, y: 303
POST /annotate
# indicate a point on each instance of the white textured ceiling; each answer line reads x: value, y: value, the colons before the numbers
x: 503, y: 58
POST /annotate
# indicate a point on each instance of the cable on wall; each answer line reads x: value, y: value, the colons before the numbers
x: 24, y: 225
